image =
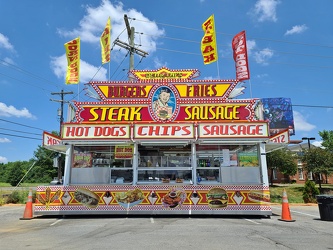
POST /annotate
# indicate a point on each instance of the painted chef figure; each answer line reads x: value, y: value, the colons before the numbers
x: 161, y: 105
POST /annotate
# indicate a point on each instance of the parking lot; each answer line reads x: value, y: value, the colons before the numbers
x: 166, y: 232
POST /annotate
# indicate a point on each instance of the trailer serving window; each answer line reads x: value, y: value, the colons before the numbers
x: 228, y: 164
x: 98, y: 165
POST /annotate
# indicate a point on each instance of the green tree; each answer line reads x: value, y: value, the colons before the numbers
x: 15, y: 172
x: 318, y: 161
x: 3, y: 172
x: 43, y: 170
x: 283, y: 160
x: 327, y: 137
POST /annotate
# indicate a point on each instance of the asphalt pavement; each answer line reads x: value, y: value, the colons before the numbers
x: 307, y: 231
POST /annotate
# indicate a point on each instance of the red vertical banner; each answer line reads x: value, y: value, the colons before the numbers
x: 240, y: 56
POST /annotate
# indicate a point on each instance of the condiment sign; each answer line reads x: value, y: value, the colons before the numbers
x: 124, y: 152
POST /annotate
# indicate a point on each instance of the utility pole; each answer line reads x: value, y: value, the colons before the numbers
x: 62, y: 101
x: 130, y: 47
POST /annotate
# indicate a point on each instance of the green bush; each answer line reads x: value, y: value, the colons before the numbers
x: 310, y: 191
x: 19, y: 197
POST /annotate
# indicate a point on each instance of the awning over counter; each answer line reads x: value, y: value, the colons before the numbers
x: 53, y: 142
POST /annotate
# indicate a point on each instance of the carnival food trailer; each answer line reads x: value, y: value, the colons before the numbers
x: 162, y: 144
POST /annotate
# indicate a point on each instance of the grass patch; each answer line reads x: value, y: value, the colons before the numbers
x: 3, y: 184
x: 294, y: 192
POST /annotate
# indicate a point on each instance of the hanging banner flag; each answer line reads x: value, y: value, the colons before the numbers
x: 73, y: 61
x: 240, y: 56
x: 105, y: 42
x: 208, y: 42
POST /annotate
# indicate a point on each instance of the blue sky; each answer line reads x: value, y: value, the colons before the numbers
x: 290, y: 46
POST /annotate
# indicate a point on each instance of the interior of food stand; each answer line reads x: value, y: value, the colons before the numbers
x: 219, y: 163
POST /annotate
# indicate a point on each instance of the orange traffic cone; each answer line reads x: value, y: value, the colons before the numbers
x: 285, y: 216
x: 28, y: 214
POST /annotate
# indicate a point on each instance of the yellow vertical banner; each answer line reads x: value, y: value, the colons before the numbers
x: 73, y: 61
x: 208, y: 42
x: 105, y: 42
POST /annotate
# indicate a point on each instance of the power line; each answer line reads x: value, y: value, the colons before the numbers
x: 229, y: 58
x: 5, y: 63
x: 13, y: 78
x: 21, y: 124
x: 222, y: 45
x: 21, y: 136
x: 312, y: 106
x: 19, y: 131
x: 232, y: 35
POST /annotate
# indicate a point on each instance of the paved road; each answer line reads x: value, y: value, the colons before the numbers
x: 166, y: 232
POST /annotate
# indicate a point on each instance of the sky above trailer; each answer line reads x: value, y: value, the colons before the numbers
x: 289, y: 45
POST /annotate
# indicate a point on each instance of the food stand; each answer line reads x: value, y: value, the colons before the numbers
x: 162, y: 144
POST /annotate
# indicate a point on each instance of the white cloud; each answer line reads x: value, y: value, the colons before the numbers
x: 93, y: 23
x: 4, y: 43
x: 6, y: 61
x: 260, y: 56
x: 260, y: 76
x: 3, y: 159
x: 297, y: 29
x: 250, y: 45
x: 4, y: 140
x: 265, y: 10
x: 87, y: 71
x: 159, y: 64
x: 9, y: 111
x: 90, y: 29
x: 300, y: 122
x: 263, y: 56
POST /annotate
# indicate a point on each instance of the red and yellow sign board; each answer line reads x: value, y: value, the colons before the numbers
x: 92, y: 113
x: 187, y: 131
x: 192, y: 89
x: 163, y: 97
x: 164, y: 73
